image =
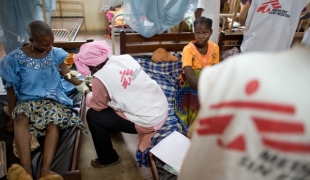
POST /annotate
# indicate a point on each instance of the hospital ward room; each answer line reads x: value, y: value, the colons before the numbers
x: 155, y: 89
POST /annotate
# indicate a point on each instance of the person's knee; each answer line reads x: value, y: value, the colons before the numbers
x: 52, y: 127
x: 88, y: 116
x: 21, y: 120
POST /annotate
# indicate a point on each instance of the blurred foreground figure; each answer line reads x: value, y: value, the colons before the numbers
x: 254, y: 119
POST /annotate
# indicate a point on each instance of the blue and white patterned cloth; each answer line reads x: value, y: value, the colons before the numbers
x: 166, y: 75
x: 35, y: 79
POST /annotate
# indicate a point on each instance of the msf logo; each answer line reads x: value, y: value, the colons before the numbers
x: 126, y: 77
x: 281, y: 128
x: 269, y: 6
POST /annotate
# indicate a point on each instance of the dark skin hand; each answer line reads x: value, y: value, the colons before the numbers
x: 189, y: 72
x: 190, y: 78
x: 198, y: 13
x: 64, y: 70
x: 244, y: 13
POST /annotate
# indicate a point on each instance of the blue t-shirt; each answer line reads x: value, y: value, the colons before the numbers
x: 35, y: 79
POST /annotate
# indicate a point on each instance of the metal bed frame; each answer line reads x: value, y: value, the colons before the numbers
x: 305, y: 24
x: 113, y: 33
x: 116, y: 31
x: 64, y: 27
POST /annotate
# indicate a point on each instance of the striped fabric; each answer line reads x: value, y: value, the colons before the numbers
x: 166, y: 75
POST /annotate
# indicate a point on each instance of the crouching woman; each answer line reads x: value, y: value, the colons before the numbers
x: 123, y: 98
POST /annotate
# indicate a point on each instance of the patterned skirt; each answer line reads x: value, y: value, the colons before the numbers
x: 43, y: 112
x: 186, y: 102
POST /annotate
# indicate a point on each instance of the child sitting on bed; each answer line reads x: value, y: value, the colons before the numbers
x: 197, y: 55
x: 36, y: 101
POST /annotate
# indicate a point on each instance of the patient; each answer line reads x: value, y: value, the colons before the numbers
x: 252, y: 124
x: 197, y: 55
x: 123, y: 98
x: 36, y: 101
x: 211, y: 9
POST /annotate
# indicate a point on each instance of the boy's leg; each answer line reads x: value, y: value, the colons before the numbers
x: 22, y: 140
x: 50, y: 147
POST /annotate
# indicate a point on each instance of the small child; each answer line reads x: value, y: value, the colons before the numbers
x: 197, y: 55
x: 37, y: 103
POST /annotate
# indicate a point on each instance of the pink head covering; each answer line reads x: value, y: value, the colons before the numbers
x: 91, y: 54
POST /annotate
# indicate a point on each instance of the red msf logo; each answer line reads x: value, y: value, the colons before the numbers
x: 126, y: 77
x: 218, y: 124
x: 268, y: 6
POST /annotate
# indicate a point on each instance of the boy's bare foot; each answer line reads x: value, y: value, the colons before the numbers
x: 16, y: 172
x: 49, y: 175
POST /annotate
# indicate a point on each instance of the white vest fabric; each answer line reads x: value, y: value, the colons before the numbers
x: 211, y: 9
x: 133, y: 92
x: 271, y: 24
x: 254, y: 122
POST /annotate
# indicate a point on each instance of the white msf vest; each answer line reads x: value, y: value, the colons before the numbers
x: 271, y: 24
x: 133, y: 92
x: 254, y: 119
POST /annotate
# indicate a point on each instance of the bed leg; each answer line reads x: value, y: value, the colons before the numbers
x: 153, y: 166
x: 72, y: 175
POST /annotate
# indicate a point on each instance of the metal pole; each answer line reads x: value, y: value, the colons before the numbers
x: 44, y: 11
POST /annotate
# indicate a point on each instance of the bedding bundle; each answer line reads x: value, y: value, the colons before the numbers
x: 161, y: 55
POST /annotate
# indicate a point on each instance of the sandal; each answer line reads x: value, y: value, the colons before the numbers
x: 95, y: 163
x: 6, y: 110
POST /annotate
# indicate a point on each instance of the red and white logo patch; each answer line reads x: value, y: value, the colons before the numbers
x: 218, y: 124
x: 126, y: 77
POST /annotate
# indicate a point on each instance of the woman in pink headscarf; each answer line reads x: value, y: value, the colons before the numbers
x: 123, y: 98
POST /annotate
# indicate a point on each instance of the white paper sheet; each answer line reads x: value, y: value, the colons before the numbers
x: 172, y: 150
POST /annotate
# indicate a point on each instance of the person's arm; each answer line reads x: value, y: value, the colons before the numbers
x: 198, y: 13
x: 244, y: 13
x: 97, y: 99
x: 306, y: 16
x: 11, y: 98
x: 190, y: 77
x: 201, y: 5
x: 217, y: 54
x: 187, y: 66
x: 64, y: 70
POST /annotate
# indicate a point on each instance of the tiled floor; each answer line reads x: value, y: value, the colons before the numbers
x: 124, y: 144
